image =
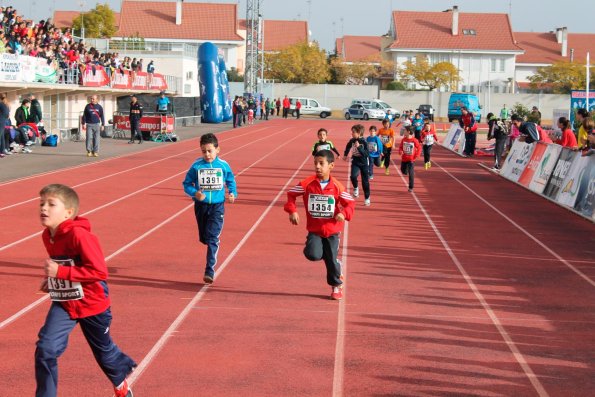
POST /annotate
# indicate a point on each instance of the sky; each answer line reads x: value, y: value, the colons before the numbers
x: 329, y: 19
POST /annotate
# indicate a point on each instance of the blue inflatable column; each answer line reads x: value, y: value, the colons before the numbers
x: 226, y: 96
x: 210, y: 90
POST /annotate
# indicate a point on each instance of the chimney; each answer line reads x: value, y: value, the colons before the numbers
x: 455, y: 20
x: 564, y: 41
x: 559, y: 35
x: 179, y: 12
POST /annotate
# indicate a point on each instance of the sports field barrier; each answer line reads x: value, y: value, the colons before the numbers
x: 557, y: 173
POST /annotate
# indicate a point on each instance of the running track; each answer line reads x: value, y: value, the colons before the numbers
x: 470, y: 286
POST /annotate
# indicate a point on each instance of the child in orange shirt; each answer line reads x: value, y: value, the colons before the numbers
x: 387, y: 136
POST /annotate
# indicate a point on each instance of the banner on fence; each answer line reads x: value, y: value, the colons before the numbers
x: 121, y: 80
x: 452, y: 136
x: 561, y: 169
x: 95, y: 76
x: 533, y: 164
x: 10, y: 68
x: 585, y: 197
x: 546, y: 166
x: 517, y: 160
x: 147, y: 123
x: 570, y: 185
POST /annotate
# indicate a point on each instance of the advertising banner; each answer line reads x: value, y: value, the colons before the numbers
x: 95, y: 76
x: 44, y: 72
x: 561, y: 169
x: 568, y: 192
x: 578, y: 100
x: 533, y: 165
x: 10, y: 68
x: 121, y: 80
x: 585, y: 197
x: 147, y: 123
x: 157, y: 82
x: 545, y: 169
x: 452, y: 136
x: 517, y: 160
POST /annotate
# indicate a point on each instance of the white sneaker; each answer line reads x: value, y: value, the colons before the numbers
x: 29, y: 143
x: 367, y: 202
x: 356, y: 192
x: 26, y: 150
x: 14, y: 145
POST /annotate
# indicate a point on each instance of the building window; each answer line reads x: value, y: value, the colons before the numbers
x: 189, y: 75
x: 469, y: 32
x: 493, y: 65
x: 464, y: 88
x: 187, y: 88
x: 502, y: 65
x: 471, y: 88
x: 496, y: 89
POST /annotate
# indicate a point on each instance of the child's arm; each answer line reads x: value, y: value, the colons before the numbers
x: 417, y: 149
x: 230, y: 182
x: 191, y: 182
x: 290, y: 206
x: 348, y: 148
x: 391, y: 140
x: 314, y: 147
x: 401, y: 147
x: 334, y: 149
x: 347, y: 204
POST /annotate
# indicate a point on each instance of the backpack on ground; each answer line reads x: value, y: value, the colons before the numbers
x: 50, y: 140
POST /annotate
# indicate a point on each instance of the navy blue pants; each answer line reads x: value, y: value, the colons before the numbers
x: 53, y: 339
x: 135, y: 129
x: 407, y: 169
x: 209, y: 218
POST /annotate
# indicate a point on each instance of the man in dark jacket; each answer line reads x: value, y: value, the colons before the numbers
x: 36, y: 112
x: 23, y: 115
x: 136, y: 113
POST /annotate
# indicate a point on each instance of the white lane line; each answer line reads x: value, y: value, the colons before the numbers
x: 115, y: 173
x: 525, y: 232
x: 188, y: 309
x: 29, y: 237
x: 40, y: 300
x: 495, y: 320
x: 339, y: 370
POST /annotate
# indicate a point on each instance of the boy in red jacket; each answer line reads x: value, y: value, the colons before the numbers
x: 327, y: 205
x: 409, y: 150
x: 76, y: 281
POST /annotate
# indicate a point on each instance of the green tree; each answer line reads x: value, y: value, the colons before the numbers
x: 299, y: 63
x: 100, y: 22
x: 234, y: 75
x: 520, y: 109
x: 441, y: 74
x: 561, y: 77
x: 396, y: 86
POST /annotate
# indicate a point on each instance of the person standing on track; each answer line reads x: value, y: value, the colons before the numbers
x: 298, y: 107
x: 469, y: 125
x: 323, y: 143
x: 358, y: 147
x: 136, y: 114
x: 409, y: 150
x: 76, y: 282
x: 327, y: 205
x: 205, y: 182
x: 286, y: 105
x: 387, y: 136
x: 93, y: 121
x: 374, y: 149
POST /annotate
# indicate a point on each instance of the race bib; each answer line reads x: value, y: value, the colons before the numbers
x: 323, y: 147
x: 321, y: 206
x: 64, y: 290
x: 355, y: 151
x: 210, y: 179
x: 429, y: 139
x: 408, y: 148
x: 385, y: 138
x: 372, y: 147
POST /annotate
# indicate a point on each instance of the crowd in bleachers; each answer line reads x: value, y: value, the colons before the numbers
x: 71, y: 57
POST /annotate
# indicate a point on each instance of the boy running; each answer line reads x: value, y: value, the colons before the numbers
x: 428, y: 138
x: 409, y: 149
x: 387, y: 136
x: 205, y: 182
x: 77, y: 283
x: 323, y: 143
x: 375, y: 150
x: 358, y: 147
x: 327, y: 205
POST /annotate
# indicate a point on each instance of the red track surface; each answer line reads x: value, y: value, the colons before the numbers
x: 445, y: 294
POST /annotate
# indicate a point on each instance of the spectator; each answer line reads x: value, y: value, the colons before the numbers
x: 298, y: 107
x: 469, y: 125
x: 527, y: 129
x: 286, y: 105
x: 93, y: 118
x: 582, y: 115
x: 534, y: 116
x: 22, y: 114
x: 163, y: 103
x: 278, y: 105
x: 567, y: 139
x: 498, y: 130
x: 4, y: 116
x: 151, y: 68
x: 504, y: 113
x: 36, y: 111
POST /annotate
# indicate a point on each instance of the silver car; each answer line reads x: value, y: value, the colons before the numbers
x: 363, y: 111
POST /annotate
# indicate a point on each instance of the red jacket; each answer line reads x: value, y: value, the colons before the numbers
x: 431, y: 137
x: 74, y: 240
x: 317, y: 222
x: 409, y: 149
x: 286, y: 103
x: 468, y: 123
x: 568, y: 139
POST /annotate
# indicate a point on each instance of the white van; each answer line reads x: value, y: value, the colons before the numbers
x: 377, y: 104
x: 309, y: 106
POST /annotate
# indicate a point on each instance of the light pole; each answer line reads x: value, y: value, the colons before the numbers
x: 82, y: 4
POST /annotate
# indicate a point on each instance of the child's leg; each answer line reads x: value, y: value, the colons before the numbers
x: 113, y: 362
x: 313, y: 248
x: 330, y: 248
x: 53, y: 339
x: 214, y: 226
x: 387, y: 156
x: 426, y: 153
x: 371, y: 161
x: 354, y: 174
x: 430, y: 152
x: 200, y: 213
x: 365, y: 179
x: 404, y: 169
x: 410, y: 170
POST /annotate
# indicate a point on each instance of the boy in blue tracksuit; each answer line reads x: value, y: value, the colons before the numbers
x: 205, y: 182
x: 374, y: 150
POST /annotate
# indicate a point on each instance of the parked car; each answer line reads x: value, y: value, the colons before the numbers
x: 360, y: 111
x: 457, y: 101
x: 309, y: 106
x: 378, y: 104
x: 427, y: 111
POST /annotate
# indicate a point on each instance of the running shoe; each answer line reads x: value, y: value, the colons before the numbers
x: 387, y: 172
x: 89, y: 154
x: 26, y: 149
x: 208, y: 279
x: 367, y: 202
x: 356, y: 192
x: 410, y: 190
x: 337, y: 293
x: 429, y: 164
x: 123, y: 390
x: 95, y: 154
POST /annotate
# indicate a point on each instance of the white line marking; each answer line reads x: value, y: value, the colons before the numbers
x: 29, y: 237
x: 519, y: 227
x: 115, y: 173
x: 187, y: 310
x: 40, y: 300
x: 339, y: 370
x: 495, y: 320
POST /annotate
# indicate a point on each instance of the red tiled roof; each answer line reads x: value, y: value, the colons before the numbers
x: 200, y: 21
x: 543, y: 47
x: 339, y: 46
x: 433, y: 30
x: 63, y: 19
x: 361, y: 48
x: 281, y: 34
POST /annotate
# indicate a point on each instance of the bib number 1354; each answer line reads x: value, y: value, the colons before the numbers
x: 321, y: 206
